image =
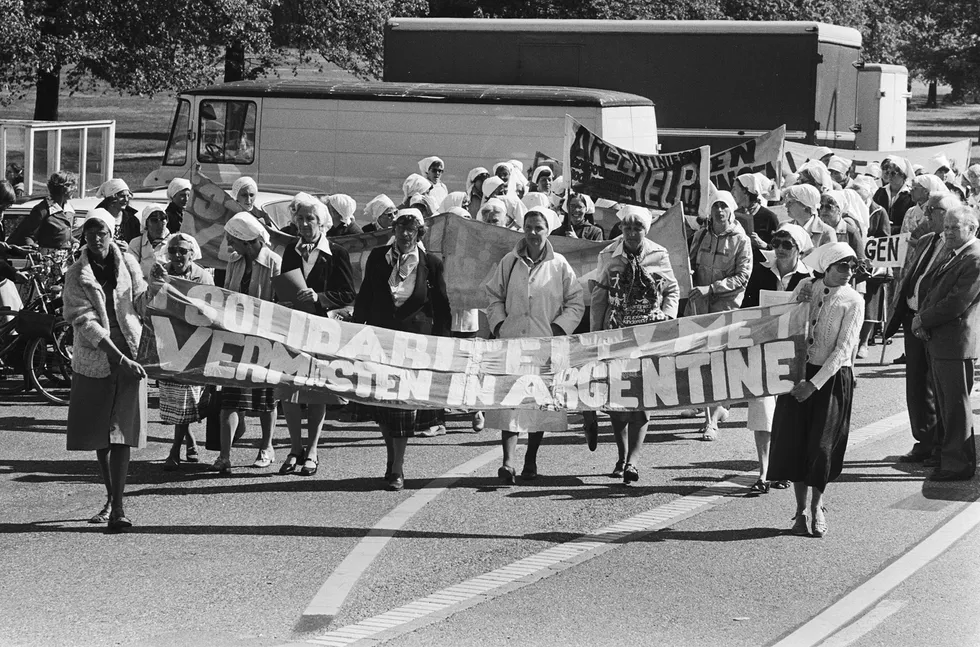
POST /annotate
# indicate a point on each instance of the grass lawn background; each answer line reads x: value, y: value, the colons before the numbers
x: 143, y: 124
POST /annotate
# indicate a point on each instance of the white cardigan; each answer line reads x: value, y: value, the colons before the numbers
x: 85, y: 310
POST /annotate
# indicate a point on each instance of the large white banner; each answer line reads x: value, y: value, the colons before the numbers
x: 957, y: 152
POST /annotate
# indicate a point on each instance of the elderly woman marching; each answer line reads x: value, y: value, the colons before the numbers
x: 104, y: 295
x: 115, y: 196
x: 721, y: 260
x: 635, y: 285
x: 811, y: 422
x: 404, y: 288
x: 250, y: 272
x: 180, y: 404
x: 329, y: 280
x: 148, y: 247
x: 789, y: 243
x: 533, y: 293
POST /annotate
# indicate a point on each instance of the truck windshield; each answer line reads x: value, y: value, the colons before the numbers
x: 227, y: 132
x: 176, y: 154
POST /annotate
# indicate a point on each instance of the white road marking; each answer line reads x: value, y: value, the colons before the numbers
x: 857, y: 629
x: 331, y: 596
x: 829, y: 621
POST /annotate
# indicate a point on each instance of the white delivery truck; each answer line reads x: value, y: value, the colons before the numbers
x: 363, y: 138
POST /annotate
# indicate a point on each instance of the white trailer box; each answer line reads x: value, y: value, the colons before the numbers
x: 363, y: 139
x: 882, y: 107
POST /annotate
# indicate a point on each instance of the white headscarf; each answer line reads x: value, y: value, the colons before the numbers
x: 816, y: 170
x: 177, y: 185
x: 472, y: 175
x: 536, y: 199
x: 633, y: 212
x: 377, y: 206
x: 550, y: 216
x: 241, y: 183
x: 344, y: 205
x: 111, y: 188
x: 930, y: 182
x: 414, y: 213
x: 152, y: 208
x: 727, y: 198
x: 415, y: 184
x: 539, y: 170
x: 799, y: 235
x: 826, y: 255
x: 244, y: 226
x: 195, y: 248
x: 493, y: 204
x: 454, y: 199
x: 427, y: 162
x: 459, y: 211
x: 756, y: 184
x: 102, y: 216
x: 515, y: 208
x: 490, y: 185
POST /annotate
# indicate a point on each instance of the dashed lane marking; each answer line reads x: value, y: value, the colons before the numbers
x: 446, y: 602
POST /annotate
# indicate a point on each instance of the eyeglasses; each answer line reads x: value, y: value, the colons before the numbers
x: 846, y: 266
x: 783, y: 244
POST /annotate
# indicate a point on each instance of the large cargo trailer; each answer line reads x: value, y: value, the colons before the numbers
x: 713, y: 82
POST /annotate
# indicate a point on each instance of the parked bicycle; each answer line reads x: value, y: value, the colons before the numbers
x: 35, y: 341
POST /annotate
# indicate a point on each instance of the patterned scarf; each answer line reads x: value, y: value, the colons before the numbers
x: 402, y: 268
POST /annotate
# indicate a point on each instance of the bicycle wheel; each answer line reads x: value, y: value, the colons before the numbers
x: 49, y: 364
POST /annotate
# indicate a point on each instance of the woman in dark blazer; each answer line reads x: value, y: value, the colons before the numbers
x: 404, y: 288
x: 329, y: 280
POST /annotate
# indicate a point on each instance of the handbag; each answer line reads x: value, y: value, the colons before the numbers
x: 210, y: 411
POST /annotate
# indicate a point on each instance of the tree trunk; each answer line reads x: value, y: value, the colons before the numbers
x: 48, y: 94
x: 235, y: 62
x: 931, y: 98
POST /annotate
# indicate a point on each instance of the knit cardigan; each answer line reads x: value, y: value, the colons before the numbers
x: 85, y: 309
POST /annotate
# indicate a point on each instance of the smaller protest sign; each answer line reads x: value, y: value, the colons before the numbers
x: 889, y: 251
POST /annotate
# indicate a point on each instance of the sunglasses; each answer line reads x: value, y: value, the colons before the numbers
x: 783, y: 244
x: 846, y: 266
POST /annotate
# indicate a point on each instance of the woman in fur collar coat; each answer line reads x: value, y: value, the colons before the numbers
x: 104, y: 295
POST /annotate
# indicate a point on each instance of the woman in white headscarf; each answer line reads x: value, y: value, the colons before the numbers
x: 474, y: 188
x: 433, y: 168
x: 494, y: 187
x: 533, y: 293
x: 811, y: 423
x: 180, y: 404
x: 115, y: 196
x: 342, y: 209
x: 414, y: 185
x: 781, y: 274
x: 721, y: 261
x: 380, y: 213
x: 894, y: 195
x: 751, y: 190
x: 179, y: 194
x: 148, y: 247
x: 922, y: 186
x: 455, y: 199
x: 250, y: 271
x: 244, y: 191
x: 494, y: 212
x: 815, y: 174
x: 635, y: 285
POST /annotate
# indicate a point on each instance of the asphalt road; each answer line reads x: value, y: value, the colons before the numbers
x: 572, y: 558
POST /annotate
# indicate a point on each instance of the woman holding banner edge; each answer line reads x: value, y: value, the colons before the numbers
x: 533, y: 293
x: 635, y: 285
x: 404, y: 288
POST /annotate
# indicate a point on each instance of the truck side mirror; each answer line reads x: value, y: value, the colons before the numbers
x: 207, y: 112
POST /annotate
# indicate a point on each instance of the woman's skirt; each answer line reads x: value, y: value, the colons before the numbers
x: 760, y: 414
x: 300, y: 396
x: 180, y: 404
x: 621, y: 418
x: 254, y: 400
x: 809, y: 438
x: 526, y: 420
x: 106, y: 411
x: 403, y: 423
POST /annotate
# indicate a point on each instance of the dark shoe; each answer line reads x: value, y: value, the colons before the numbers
x: 819, y: 523
x: 102, y: 515
x: 759, y: 487
x: 222, y: 466
x: 617, y: 472
x: 592, y: 434
x: 192, y: 455
x: 932, y: 461
x: 172, y: 464
x: 396, y: 483
x: 914, y: 456
x: 947, y: 475
x: 780, y: 485
x: 899, y: 360
x: 289, y: 465
x: 630, y: 474
x: 800, y: 526
x: 310, y: 471
x: 387, y: 472
x: 119, y: 523
x: 529, y: 473
x: 506, y: 475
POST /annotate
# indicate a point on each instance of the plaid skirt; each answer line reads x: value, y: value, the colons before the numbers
x: 255, y: 400
x: 403, y: 423
x: 180, y: 403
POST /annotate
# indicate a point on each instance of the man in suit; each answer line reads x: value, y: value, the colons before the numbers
x: 919, y: 393
x: 947, y: 322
